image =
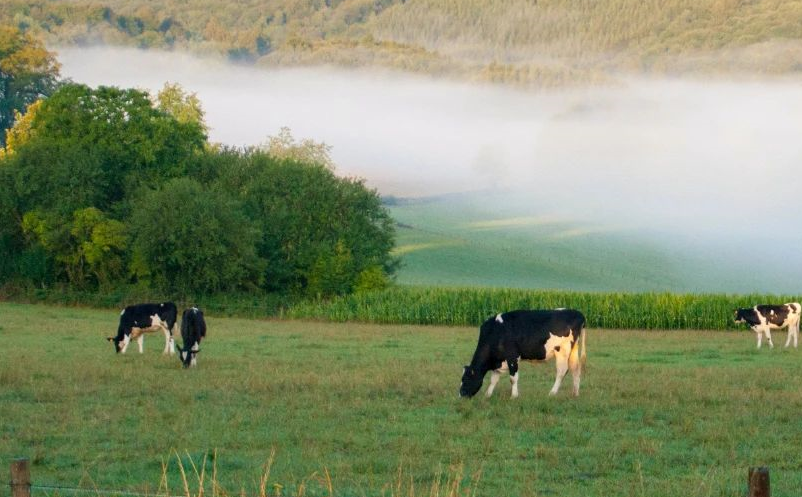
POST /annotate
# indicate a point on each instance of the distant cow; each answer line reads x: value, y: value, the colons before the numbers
x: 193, y: 330
x: 763, y: 318
x: 136, y: 320
x: 510, y: 337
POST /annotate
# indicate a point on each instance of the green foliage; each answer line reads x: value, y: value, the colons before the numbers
x: 332, y: 273
x: 311, y: 221
x: 87, y: 244
x: 190, y: 239
x: 471, y: 306
x: 130, y: 140
x: 371, y: 278
x: 101, y: 242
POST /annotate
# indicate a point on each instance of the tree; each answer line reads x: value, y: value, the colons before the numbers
x: 192, y: 239
x: 20, y: 132
x: 76, y: 161
x: 284, y: 146
x: 28, y: 72
x: 99, y: 145
x: 87, y: 247
x: 319, y: 231
x: 184, y: 107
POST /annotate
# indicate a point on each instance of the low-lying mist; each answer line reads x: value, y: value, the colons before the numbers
x: 710, y: 166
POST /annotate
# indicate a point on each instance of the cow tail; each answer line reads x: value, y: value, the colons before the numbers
x: 583, y: 354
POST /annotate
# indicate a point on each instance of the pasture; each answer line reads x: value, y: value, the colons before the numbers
x: 373, y: 409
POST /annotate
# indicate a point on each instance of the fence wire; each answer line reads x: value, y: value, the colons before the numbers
x: 99, y: 491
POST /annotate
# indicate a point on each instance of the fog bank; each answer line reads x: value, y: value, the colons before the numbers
x: 695, y: 158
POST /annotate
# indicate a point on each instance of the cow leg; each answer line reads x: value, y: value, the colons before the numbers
x: 195, y: 349
x: 767, y: 331
x: 513, y: 365
x: 793, y: 334
x: 759, y: 333
x: 576, y: 369
x: 140, y: 340
x: 561, y: 358
x: 494, y: 377
x: 168, y: 341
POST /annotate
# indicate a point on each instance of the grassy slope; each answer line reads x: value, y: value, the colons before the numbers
x: 452, y: 241
x: 661, y: 414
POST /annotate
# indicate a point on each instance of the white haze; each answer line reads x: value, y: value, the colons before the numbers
x: 700, y: 160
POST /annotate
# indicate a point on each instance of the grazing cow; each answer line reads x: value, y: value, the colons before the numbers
x: 136, y: 320
x: 510, y: 337
x: 193, y: 330
x: 763, y: 318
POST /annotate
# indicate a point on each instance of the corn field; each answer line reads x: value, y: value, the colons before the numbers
x: 471, y: 306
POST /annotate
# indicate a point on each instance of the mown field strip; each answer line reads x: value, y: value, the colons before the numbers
x: 660, y: 413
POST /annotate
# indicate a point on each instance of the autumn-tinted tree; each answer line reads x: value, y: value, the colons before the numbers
x: 28, y: 71
x: 184, y: 106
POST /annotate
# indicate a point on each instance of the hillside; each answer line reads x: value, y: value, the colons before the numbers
x: 485, y: 240
x: 523, y: 42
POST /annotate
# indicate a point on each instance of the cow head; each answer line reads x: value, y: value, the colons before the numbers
x: 187, y: 358
x: 116, y: 343
x: 471, y: 382
x: 739, y: 315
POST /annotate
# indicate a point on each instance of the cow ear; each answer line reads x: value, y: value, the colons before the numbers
x: 110, y: 339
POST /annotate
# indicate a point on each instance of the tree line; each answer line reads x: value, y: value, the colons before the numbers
x: 107, y: 187
x: 524, y: 42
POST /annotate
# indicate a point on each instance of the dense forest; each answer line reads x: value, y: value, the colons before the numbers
x: 104, y: 188
x: 525, y: 42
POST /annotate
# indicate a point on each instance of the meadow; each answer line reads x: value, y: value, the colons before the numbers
x: 289, y: 407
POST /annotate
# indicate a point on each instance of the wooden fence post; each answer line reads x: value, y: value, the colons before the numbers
x: 759, y: 482
x: 20, y: 478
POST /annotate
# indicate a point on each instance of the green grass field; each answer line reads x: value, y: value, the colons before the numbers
x: 508, y: 240
x: 494, y: 240
x: 660, y: 413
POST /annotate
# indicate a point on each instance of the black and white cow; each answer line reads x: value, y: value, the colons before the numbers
x: 193, y: 330
x: 515, y: 336
x: 136, y: 320
x: 764, y: 318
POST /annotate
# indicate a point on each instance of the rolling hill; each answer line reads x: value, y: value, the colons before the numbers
x: 490, y: 240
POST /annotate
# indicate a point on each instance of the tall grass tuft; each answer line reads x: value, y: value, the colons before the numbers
x: 451, y: 483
